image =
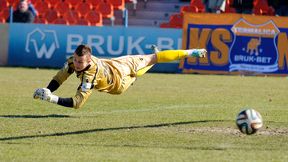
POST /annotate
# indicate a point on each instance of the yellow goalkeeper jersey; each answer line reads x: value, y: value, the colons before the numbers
x: 105, y: 75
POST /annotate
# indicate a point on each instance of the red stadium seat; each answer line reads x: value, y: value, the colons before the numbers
x: 189, y: 8
x: 34, y: 1
x: 62, y: 7
x: 2, y: 20
x: 106, y: 9
x: 229, y: 2
x: 118, y: 4
x: 40, y: 20
x: 42, y: 7
x: 71, y: 16
x: 12, y: 3
x: 169, y: 25
x: 74, y: 2
x: 83, y: 8
x: 165, y: 25
x: 228, y: 8
x: 95, y: 18
x: 94, y: 3
x: 52, y: 2
x: 61, y: 20
x: 4, y: 4
x: 5, y: 13
x: 198, y: 4
x: 261, y: 7
x: 51, y: 15
x: 176, y: 20
x: 83, y: 21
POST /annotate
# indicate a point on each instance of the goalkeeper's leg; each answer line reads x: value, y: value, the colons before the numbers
x: 169, y: 56
x: 172, y: 55
x: 145, y: 69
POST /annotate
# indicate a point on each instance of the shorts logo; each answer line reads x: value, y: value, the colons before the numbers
x: 248, y: 50
x: 43, y: 43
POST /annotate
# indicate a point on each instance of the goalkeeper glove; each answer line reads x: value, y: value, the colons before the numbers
x: 45, y: 94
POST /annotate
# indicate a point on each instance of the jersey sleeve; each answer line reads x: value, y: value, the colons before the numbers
x: 65, y: 72
x: 80, y: 98
x: 84, y: 90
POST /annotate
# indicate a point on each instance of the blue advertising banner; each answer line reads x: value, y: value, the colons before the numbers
x: 38, y: 45
x: 236, y: 44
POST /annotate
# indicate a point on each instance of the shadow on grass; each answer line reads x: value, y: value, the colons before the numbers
x: 36, y: 116
x: 106, y: 129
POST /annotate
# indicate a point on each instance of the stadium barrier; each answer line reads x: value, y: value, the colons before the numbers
x: 3, y: 44
x: 237, y: 44
x: 39, y: 45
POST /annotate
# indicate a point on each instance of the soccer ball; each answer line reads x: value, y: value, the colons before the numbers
x: 249, y: 121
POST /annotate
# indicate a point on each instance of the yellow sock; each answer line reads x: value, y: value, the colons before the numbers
x: 171, y: 55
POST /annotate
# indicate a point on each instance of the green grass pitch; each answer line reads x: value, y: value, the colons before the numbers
x: 162, y: 117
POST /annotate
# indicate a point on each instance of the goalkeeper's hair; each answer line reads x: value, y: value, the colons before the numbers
x: 83, y: 50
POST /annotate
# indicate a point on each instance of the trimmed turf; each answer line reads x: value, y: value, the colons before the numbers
x: 162, y: 117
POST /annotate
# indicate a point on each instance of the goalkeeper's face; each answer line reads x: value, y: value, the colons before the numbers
x: 81, y: 62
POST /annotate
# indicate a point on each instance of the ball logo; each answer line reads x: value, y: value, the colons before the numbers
x: 248, y: 51
x: 42, y: 43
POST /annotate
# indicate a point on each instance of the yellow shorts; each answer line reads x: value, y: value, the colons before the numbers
x: 128, y: 67
x: 130, y: 64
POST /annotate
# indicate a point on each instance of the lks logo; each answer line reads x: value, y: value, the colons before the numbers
x: 43, y: 43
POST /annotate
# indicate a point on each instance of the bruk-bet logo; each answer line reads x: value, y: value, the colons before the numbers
x: 42, y: 43
x: 248, y: 50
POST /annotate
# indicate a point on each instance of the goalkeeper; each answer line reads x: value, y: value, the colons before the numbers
x: 113, y: 76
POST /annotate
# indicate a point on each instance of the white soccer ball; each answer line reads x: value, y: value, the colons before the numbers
x: 249, y: 121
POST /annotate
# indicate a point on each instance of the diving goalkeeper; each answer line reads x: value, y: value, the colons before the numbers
x: 113, y: 76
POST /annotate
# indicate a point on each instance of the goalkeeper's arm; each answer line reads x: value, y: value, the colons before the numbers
x: 77, y: 101
x: 67, y: 102
x: 53, y: 85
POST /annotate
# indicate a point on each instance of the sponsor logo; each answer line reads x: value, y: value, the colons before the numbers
x: 42, y: 42
x: 249, y: 50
